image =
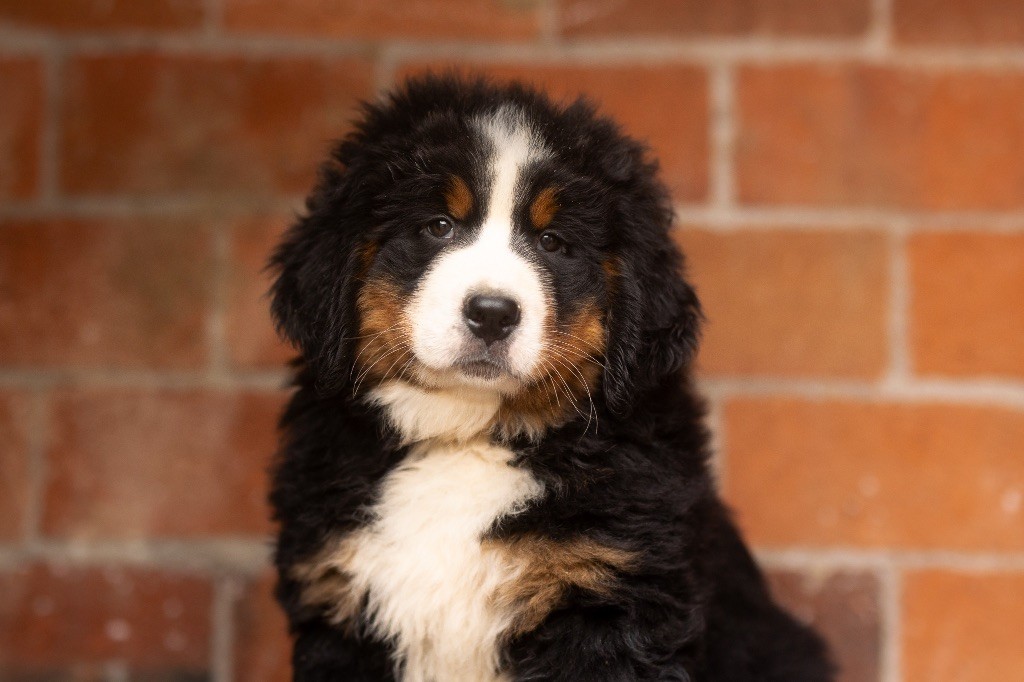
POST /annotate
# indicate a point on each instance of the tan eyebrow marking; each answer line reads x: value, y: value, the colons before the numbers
x: 543, y: 208
x: 458, y: 198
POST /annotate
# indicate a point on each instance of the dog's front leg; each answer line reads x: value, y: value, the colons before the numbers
x: 325, y: 653
x: 605, y: 643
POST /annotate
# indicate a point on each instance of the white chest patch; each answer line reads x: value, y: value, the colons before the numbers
x: 428, y: 581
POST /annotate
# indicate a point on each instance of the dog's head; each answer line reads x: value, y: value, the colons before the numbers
x: 474, y: 236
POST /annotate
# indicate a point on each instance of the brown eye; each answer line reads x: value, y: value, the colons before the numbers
x: 441, y: 228
x: 549, y: 242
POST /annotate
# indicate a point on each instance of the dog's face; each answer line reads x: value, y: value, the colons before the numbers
x: 480, y: 237
x: 491, y: 261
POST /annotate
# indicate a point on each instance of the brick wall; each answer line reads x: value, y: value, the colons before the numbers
x: 850, y: 185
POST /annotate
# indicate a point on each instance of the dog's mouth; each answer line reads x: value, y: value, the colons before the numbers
x: 484, y: 367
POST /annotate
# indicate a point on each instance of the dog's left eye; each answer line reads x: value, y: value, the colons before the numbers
x: 441, y: 228
x: 549, y: 241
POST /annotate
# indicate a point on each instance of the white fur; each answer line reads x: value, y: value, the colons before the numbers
x: 420, y: 563
x: 487, y: 265
x: 453, y: 414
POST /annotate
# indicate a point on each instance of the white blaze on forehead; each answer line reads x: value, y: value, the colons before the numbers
x: 515, y: 147
x: 490, y: 263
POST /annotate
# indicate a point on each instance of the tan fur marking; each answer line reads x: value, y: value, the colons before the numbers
x: 326, y: 583
x: 383, y: 349
x: 547, y: 569
x: 459, y: 198
x: 611, y: 273
x: 571, y: 368
x: 543, y: 208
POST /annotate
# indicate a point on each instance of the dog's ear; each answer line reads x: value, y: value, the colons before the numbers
x: 654, y: 320
x: 318, y: 264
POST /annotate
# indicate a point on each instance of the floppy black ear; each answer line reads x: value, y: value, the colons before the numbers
x: 313, y: 298
x: 654, y: 323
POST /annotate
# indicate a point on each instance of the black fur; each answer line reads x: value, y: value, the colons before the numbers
x: 696, y: 607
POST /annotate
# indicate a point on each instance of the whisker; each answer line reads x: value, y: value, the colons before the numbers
x: 561, y: 345
x: 561, y: 360
x: 362, y: 376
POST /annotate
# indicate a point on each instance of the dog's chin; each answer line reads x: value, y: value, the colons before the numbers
x: 478, y: 371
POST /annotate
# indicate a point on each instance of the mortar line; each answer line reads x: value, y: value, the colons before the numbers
x: 385, y: 70
x: 271, y: 381
x: 899, y: 372
x: 719, y: 456
x: 881, y: 29
x: 853, y: 558
x: 745, y: 217
x: 216, y: 333
x: 723, y: 135
x: 966, y: 392
x: 114, y: 206
x: 213, y: 17
x: 704, y: 51
x: 222, y: 633
x: 550, y: 28
x: 891, y: 582
x: 213, y: 558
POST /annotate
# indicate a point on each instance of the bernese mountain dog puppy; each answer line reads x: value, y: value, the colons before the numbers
x: 495, y: 466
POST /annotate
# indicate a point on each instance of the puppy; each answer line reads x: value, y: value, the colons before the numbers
x: 494, y: 466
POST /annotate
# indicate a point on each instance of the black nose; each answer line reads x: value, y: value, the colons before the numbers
x: 492, y: 318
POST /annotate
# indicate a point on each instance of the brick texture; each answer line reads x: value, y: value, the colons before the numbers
x: 496, y: 20
x: 876, y: 136
x: 74, y: 15
x: 836, y: 473
x: 850, y: 188
x: 695, y: 18
x: 959, y: 22
x: 118, y: 293
x: 262, y: 645
x: 963, y: 627
x: 15, y: 441
x: 966, y: 314
x: 21, y: 81
x: 791, y: 303
x: 844, y: 608
x: 252, y: 341
x: 203, y: 125
x: 133, y: 464
x: 53, y: 618
x: 665, y: 106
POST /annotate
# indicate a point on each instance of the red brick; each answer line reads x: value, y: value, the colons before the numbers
x: 699, y: 18
x: 966, y: 313
x: 844, y: 609
x: 251, y: 337
x: 85, y: 15
x: 52, y: 617
x: 21, y: 81
x: 667, y: 106
x: 958, y: 22
x: 791, y: 303
x: 146, y: 124
x: 262, y: 646
x: 832, y: 473
x: 874, y: 136
x: 492, y: 20
x: 963, y: 627
x: 117, y: 293
x: 135, y: 464
x: 15, y: 439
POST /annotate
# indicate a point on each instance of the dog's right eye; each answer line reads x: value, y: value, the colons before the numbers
x: 441, y: 228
